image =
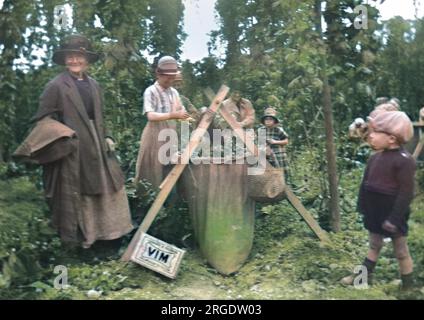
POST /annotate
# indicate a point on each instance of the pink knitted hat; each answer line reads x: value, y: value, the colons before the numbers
x: 396, y: 123
x: 382, y: 108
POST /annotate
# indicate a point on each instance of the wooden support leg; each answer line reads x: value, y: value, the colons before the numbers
x: 419, y: 148
x: 309, y: 219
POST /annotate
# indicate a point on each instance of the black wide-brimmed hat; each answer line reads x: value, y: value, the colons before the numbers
x: 75, y: 43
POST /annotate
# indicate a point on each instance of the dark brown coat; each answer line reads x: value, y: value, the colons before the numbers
x: 55, y: 146
x: 48, y: 141
x: 85, y: 170
x: 61, y: 100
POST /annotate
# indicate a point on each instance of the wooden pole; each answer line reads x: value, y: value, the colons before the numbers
x: 331, y: 157
x: 329, y: 130
x: 418, y: 149
x: 176, y: 172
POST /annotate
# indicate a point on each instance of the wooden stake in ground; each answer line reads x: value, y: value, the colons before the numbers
x: 294, y: 201
x: 420, y: 145
x: 328, y: 122
x: 331, y: 156
x: 176, y: 172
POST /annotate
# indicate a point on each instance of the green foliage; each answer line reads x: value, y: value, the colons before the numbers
x: 402, y: 53
x: 312, y: 189
x: 275, y: 55
x: 286, y: 262
x: 126, y: 30
x: 27, y: 242
x: 167, y: 33
x: 172, y: 223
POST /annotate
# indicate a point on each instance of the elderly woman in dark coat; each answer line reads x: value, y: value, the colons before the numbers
x: 85, y: 190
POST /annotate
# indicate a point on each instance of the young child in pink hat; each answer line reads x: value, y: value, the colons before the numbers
x: 387, y: 191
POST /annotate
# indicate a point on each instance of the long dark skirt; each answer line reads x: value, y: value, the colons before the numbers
x: 105, y: 216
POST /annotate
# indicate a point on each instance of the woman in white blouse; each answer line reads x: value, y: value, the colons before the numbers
x: 162, y: 105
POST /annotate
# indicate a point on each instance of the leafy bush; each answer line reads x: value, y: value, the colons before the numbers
x: 27, y: 242
x: 173, y: 221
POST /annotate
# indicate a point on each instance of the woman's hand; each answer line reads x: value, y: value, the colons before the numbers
x: 182, y: 114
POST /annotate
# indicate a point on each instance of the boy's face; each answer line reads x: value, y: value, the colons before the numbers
x: 165, y: 80
x: 269, y: 122
x: 381, y: 140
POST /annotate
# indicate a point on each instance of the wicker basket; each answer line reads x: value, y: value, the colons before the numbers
x: 267, y: 187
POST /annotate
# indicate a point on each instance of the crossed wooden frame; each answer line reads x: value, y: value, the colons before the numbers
x: 169, y: 182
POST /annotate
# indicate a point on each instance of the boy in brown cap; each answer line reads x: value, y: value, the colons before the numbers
x: 387, y: 191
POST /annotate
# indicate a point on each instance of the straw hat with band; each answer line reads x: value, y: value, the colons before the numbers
x: 75, y: 43
x: 167, y: 65
x: 270, y: 112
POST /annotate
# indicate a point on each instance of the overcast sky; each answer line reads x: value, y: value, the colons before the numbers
x: 200, y: 19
